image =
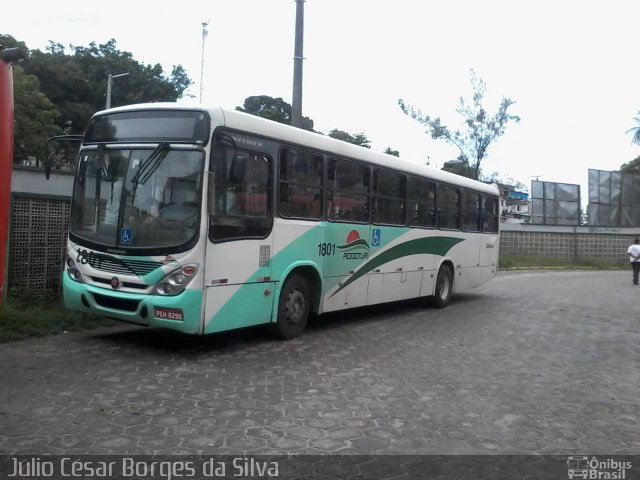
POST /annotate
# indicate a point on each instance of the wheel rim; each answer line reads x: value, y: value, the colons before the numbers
x: 295, y: 307
x: 443, y: 285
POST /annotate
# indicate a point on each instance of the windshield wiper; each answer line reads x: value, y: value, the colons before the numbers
x: 148, y: 167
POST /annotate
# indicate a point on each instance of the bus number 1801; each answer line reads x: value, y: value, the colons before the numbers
x: 326, y: 249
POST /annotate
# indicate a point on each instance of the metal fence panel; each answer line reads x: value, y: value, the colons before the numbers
x: 555, y: 203
x: 614, y: 198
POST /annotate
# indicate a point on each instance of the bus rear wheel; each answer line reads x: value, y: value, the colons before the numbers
x: 444, y: 287
x: 293, y: 308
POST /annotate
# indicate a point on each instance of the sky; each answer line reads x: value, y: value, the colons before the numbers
x: 571, y: 67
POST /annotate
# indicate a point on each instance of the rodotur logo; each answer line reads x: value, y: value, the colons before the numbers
x: 356, y: 248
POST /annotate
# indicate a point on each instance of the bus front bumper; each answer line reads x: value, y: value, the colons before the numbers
x: 181, y: 312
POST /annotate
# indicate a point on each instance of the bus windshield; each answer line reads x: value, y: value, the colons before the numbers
x: 142, y: 198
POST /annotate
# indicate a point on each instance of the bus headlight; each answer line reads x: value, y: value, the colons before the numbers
x: 72, y: 270
x: 176, y: 281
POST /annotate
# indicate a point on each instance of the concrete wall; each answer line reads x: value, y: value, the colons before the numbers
x: 32, y: 180
x: 567, y: 243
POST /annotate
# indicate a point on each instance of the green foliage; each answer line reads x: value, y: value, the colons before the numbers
x: 636, y: 131
x: 632, y: 166
x: 480, y: 128
x: 35, y: 116
x: 275, y: 109
x: 515, y: 262
x: 460, y: 166
x: 359, y: 139
x: 58, y: 91
x: 391, y: 151
x: 28, y: 314
x: 278, y: 110
x: 77, y: 83
x: 495, y: 178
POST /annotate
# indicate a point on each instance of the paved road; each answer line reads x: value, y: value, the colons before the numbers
x: 542, y: 363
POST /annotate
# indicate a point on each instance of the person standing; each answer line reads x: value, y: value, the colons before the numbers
x: 634, y: 257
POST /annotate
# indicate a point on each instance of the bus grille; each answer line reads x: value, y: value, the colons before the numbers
x: 110, y: 264
x: 116, y: 303
x: 107, y: 281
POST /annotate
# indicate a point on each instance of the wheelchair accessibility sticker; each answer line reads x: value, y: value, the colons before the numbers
x: 375, y: 237
x: 126, y: 236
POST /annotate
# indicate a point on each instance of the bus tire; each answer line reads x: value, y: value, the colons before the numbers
x: 444, y: 287
x: 294, y: 306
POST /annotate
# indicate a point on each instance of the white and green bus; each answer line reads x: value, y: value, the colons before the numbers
x: 204, y: 219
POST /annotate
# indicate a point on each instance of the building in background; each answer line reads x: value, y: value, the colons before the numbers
x: 515, y: 206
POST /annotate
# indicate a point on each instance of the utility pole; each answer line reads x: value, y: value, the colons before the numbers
x: 204, y: 37
x: 109, y: 83
x: 296, y: 101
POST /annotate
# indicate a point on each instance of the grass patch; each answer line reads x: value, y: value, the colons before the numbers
x: 28, y: 315
x: 512, y: 262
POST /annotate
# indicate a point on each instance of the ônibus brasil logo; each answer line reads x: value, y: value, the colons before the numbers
x: 356, y: 248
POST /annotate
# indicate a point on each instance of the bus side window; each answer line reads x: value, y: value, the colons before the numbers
x: 242, y: 195
x: 490, y: 217
x: 389, y: 197
x: 300, y: 184
x: 422, y: 198
x: 348, y: 191
x: 448, y: 202
x: 471, y: 218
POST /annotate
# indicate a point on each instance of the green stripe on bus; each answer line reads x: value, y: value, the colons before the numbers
x: 431, y: 245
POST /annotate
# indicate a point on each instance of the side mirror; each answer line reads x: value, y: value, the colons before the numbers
x: 13, y: 54
x: 61, y: 146
x: 47, y: 166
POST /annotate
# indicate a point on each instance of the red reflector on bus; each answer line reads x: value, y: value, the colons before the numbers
x: 168, y: 313
x: 189, y: 270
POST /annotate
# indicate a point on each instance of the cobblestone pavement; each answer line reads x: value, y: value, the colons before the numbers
x: 534, y: 362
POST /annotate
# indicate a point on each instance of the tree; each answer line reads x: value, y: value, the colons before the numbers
x: 77, y: 83
x: 459, y: 166
x: 480, y: 128
x: 278, y: 110
x: 636, y: 131
x: 57, y: 93
x: 359, y: 139
x: 495, y: 178
x: 391, y: 151
x: 632, y: 166
x: 275, y: 109
x: 34, y: 116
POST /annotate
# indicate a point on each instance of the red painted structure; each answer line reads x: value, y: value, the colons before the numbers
x: 7, y: 55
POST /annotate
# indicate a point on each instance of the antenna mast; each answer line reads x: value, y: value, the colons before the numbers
x: 204, y: 37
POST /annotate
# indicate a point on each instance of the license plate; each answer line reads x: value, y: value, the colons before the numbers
x: 168, y: 313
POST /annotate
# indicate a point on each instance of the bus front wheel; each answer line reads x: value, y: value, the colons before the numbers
x: 444, y: 287
x: 293, y: 308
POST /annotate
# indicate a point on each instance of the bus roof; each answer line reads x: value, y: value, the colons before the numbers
x: 237, y: 120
